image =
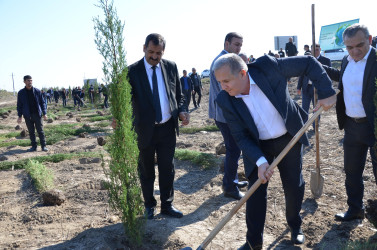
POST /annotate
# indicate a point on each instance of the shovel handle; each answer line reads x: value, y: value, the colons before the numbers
x: 256, y: 184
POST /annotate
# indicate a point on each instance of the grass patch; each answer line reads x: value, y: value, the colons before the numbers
x: 3, y: 110
x: 100, y: 118
x: 20, y: 164
x: 209, y: 128
x: 360, y: 245
x: 202, y: 159
x: 42, y: 177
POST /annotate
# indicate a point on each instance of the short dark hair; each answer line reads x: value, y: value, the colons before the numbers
x: 156, y: 39
x: 230, y: 36
x: 354, y: 28
x: 306, y: 46
x: 27, y: 77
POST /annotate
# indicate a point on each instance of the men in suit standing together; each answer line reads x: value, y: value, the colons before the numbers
x: 157, y: 102
x: 186, y: 86
x: 262, y: 119
x: 355, y: 112
x: 232, y: 44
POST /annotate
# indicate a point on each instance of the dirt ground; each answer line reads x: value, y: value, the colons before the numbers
x: 85, y: 220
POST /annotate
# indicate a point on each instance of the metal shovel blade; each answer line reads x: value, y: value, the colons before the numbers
x: 316, y: 184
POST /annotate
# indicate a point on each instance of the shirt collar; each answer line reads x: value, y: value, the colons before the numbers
x: 251, y: 83
x: 149, y: 66
x: 349, y: 58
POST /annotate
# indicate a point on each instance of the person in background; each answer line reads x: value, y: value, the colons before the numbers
x: 81, y: 96
x: 31, y: 105
x: 270, y: 53
x: 290, y: 48
x: 307, y: 50
x: 374, y: 41
x: 197, y: 87
x: 281, y: 53
x: 355, y: 110
x: 105, y: 92
x: 91, y: 94
x: 251, y: 59
x: 50, y: 93
x: 56, y: 95
x: 44, y: 95
x: 64, y: 97
x: 187, y: 88
x: 231, y: 186
x: 244, y: 57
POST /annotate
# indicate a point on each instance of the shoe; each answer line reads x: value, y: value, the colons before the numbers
x: 246, y: 246
x: 297, y: 236
x: 349, y: 215
x: 242, y: 184
x: 149, y: 212
x: 45, y: 149
x: 172, y: 211
x: 198, y: 105
x: 235, y: 195
x: 195, y: 106
x: 32, y: 149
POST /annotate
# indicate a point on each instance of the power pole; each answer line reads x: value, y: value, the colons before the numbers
x: 14, y: 92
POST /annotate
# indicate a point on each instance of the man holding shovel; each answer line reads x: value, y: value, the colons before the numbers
x: 263, y: 119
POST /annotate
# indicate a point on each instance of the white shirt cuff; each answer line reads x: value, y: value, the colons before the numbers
x: 261, y: 160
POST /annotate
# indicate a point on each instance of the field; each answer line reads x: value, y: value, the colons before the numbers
x: 85, y: 221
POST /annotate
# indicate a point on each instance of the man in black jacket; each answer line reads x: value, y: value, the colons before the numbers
x: 31, y: 105
x: 290, y: 48
x: 197, y: 85
x: 186, y: 86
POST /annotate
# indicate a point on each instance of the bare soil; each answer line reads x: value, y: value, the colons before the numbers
x: 85, y: 220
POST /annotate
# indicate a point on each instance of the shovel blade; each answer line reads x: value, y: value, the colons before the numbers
x: 316, y: 184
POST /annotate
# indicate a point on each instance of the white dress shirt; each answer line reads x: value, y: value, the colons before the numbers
x: 353, y: 86
x: 164, y: 101
x: 269, y: 122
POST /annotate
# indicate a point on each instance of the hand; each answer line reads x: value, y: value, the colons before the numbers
x: 45, y: 117
x: 299, y: 91
x: 19, y: 120
x: 326, y: 103
x: 184, y: 117
x: 265, y: 174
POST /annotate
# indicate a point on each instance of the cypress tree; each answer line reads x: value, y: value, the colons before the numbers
x: 124, y: 186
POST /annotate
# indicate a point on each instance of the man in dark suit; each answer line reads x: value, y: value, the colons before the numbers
x: 186, y: 86
x: 263, y: 119
x: 197, y: 87
x: 305, y: 86
x: 355, y: 112
x: 157, y: 102
x: 290, y: 48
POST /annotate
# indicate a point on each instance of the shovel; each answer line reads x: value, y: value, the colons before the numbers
x: 254, y: 187
x: 316, y: 179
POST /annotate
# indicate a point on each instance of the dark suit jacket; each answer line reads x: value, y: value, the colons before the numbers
x: 142, y: 98
x: 369, y: 89
x: 23, y: 108
x: 270, y: 74
x: 303, y: 80
x: 189, y: 82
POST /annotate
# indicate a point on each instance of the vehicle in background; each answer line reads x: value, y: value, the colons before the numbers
x: 335, y: 54
x: 205, y: 73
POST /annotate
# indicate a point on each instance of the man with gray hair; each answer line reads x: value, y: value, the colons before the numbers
x: 355, y: 112
x: 232, y: 44
x: 263, y: 119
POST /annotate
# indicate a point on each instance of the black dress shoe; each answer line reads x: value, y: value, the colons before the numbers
x: 149, y: 212
x: 235, y: 195
x: 32, y: 149
x: 246, y: 246
x: 172, y: 211
x: 297, y: 236
x: 242, y: 184
x: 350, y: 215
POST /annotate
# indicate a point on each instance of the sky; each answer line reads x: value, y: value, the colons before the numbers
x: 53, y: 40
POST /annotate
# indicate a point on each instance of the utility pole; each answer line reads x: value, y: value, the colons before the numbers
x: 14, y: 92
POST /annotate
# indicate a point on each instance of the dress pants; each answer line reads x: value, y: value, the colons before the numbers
x: 163, y: 144
x: 307, y: 98
x: 232, y: 156
x: 198, y: 91
x: 358, y: 138
x: 187, y: 94
x: 290, y: 168
x: 32, y: 123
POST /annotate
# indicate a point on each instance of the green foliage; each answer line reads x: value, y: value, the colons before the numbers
x: 101, y: 118
x: 124, y: 187
x: 201, y: 159
x: 210, y: 128
x: 42, y: 177
x: 360, y: 245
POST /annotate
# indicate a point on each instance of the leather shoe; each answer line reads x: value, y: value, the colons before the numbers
x: 235, y: 195
x: 246, y: 246
x: 172, y: 211
x: 45, y: 149
x: 32, y: 149
x: 297, y: 236
x: 350, y: 215
x: 242, y: 184
x: 149, y: 212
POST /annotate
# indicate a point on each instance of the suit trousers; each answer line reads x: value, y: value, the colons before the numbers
x: 32, y: 123
x: 358, y: 138
x: 232, y: 156
x: 187, y: 94
x: 197, y: 90
x: 290, y: 169
x: 163, y: 144
x: 307, y: 98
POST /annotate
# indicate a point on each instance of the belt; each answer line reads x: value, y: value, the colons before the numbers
x: 358, y: 119
x: 157, y: 125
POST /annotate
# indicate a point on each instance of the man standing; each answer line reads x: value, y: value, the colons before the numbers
x: 232, y: 44
x: 105, y: 92
x: 31, y: 105
x: 197, y: 84
x: 91, y: 93
x: 307, y: 51
x: 305, y: 86
x: 290, y: 48
x: 281, y: 53
x: 355, y: 112
x: 263, y: 119
x: 157, y: 103
x: 186, y: 86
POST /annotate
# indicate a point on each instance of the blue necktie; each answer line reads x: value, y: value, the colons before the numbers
x: 156, y: 97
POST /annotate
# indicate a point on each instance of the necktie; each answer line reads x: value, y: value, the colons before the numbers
x: 156, y: 97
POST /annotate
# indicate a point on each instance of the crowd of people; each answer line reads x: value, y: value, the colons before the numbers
x: 250, y: 104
